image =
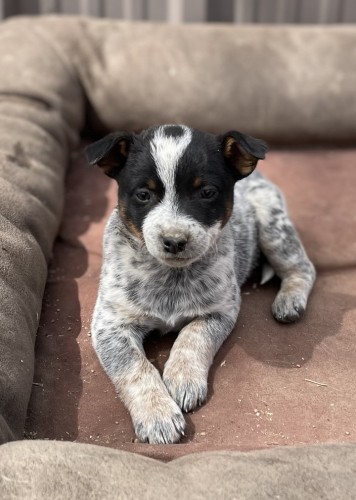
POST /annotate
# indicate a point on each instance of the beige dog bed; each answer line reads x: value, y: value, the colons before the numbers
x: 66, y: 78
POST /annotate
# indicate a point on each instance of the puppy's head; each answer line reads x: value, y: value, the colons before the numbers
x: 176, y: 185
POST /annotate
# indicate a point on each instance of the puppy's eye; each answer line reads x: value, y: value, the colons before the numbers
x: 143, y: 195
x: 208, y: 193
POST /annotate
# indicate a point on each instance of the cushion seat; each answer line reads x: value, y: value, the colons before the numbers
x: 270, y: 384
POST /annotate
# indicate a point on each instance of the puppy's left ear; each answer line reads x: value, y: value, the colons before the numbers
x: 242, y: 152
x: 110, y: 153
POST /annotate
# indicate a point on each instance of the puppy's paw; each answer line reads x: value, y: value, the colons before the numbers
x: 159, y: 422
x: 187, y: 385
x: 288, y: 308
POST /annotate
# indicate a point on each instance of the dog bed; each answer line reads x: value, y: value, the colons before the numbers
x: 80, y: 471
x: 64, y: 78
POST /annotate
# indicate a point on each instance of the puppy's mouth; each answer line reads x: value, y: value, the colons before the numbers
x: 176, y: 260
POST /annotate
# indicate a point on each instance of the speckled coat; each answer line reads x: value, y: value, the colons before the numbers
x: 192, y: 220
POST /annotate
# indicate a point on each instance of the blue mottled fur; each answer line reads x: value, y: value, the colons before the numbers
x: 142, y: 288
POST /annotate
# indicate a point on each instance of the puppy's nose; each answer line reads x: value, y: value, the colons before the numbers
x: 174, y: 245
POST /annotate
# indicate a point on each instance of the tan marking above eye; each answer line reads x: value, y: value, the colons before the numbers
x: 198, y: 182
x: 151, y: 184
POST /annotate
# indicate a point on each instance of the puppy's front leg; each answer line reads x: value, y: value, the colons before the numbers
x: 186, y: 371
x: 155, y: 416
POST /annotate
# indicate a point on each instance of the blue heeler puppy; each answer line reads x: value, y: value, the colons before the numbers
x: 192, y: 219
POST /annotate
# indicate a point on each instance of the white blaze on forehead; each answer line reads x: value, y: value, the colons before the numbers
x: 165, y: 219
x: 166, y: 152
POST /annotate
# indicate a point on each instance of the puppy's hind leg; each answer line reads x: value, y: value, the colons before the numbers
x: 280, y: 243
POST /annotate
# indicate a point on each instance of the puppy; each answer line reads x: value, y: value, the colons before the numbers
x: 192, y: 219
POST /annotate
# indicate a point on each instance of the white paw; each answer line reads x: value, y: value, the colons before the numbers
x: 186, y: 384
x: 158, y: 420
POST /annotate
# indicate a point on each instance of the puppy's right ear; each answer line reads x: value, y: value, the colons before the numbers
x: 110, y: 153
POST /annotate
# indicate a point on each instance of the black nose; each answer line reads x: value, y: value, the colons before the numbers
x: 174, y: 245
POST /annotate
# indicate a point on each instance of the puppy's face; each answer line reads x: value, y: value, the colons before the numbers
x: 176, y: 185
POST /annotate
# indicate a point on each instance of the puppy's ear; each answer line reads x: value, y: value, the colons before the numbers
x: 242, y: 152
x: 110, y: 153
